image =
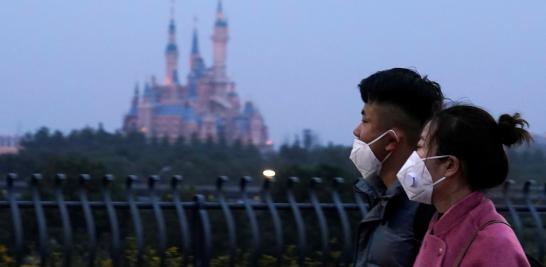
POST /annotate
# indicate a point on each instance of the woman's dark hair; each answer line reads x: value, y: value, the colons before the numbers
x: 476, y: 139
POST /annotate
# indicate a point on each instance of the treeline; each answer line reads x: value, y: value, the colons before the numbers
x: 97, y: 152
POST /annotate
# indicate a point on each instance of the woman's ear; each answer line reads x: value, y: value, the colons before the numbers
x: 453, y: 166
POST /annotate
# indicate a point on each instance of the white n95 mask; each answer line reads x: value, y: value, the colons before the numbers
x: 416, y: 179
x: 364, y: 159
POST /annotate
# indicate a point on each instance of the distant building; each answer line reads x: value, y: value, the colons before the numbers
x: 9, y: 144
x: 206, y: 107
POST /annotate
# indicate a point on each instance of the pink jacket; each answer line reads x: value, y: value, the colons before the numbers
x: 494, y: 245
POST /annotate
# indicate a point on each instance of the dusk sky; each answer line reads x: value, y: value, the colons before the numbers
x: 71, y: 64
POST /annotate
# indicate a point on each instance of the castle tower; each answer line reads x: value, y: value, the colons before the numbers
x: 130, y: 121
x: 197, y: 66
x: 195, y: 56
x: 207, y: 106
x: 134, y: 103
x: 145, y: 108
x: 171, y: 53
x: 220, y: 38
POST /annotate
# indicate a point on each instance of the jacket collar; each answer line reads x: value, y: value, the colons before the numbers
x: 455, y: 213
x: 371, y: 188
x: 378, y: 196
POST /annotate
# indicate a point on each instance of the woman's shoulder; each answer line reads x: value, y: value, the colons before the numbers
x: 498, y: 233
x: 497, y: 245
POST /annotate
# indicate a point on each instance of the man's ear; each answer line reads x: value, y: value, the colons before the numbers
x: 394, y: 140
x: 453, y: 166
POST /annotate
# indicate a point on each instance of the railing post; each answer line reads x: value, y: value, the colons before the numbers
x: 182, y: 220
x: 251, y: 215
x: 89, y: 220
x: 16, y: 218
x: 135, y: 217
x: 158, y: 214
x: 338, y: 181
x: 43, y: 239
x: 266, y: 196
x: 232, y: 239
x: 65, y: 218
x: 516, y: 221
x: 323, y: 226
x: 203, y: 239
x: 292, y: 181
x: 536, y: 218
x: 112, y: 217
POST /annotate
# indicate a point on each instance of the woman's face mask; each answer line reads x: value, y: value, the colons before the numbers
x: 364, y: 159
x: 416, y: 180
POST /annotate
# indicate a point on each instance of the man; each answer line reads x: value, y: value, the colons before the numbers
x: 397, y: 104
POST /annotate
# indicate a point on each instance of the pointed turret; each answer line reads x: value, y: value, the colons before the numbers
x: 220, y: 18
x: 171, y: 52
x: 195, y: 42
x: 136, y: 98
x: 196, y: 61
x: 130, y: 120
x: 197, y: 64
x: 220, y: 38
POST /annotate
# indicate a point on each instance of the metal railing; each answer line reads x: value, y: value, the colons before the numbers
x: 193, y: 223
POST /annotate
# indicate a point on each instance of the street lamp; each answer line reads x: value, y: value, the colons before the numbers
x: 269, y: 174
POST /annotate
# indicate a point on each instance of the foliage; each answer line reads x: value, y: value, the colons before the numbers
x: 97, y: 152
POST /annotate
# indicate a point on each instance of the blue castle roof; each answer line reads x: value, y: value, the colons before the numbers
x: 243, y: 124
x: 132, y: 111
x: 171, y: 48
x: 221, y: 23
x: 185, y: 112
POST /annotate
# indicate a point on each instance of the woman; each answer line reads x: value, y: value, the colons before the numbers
x: 460, y: 155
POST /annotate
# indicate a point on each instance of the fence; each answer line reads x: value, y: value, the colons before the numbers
x: 193, y: 225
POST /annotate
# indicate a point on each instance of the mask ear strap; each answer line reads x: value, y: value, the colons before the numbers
x: 386, y: 157
x: 437, y: 157
x: 439, y: 180
x: 395, y: 135
x: 382, y: 135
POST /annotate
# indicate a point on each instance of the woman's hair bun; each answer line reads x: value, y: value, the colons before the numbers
x: 511, y: 130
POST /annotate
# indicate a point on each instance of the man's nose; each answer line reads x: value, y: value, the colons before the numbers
x: 356, y: 131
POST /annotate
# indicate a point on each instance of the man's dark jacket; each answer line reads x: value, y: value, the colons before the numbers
x: 391, y: 232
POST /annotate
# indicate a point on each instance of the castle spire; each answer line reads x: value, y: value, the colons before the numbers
x: 220, y: 38
x: 137, y: 90
x: 171, y: 52
x: 195, y: 39
x: 172, y: 10
x: 220, y: 17
x: 134, y: 103
x: 220, y: 8
x: 172, y: 25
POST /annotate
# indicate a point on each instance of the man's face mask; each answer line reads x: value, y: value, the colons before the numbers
x: 364, y: 159
x: 416, y: 179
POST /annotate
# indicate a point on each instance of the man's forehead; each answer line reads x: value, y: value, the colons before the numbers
x: 369, y: 108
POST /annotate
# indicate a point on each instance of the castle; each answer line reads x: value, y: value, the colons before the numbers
x: 206, y: 107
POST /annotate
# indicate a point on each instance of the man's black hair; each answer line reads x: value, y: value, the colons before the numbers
x: 415, y: 95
